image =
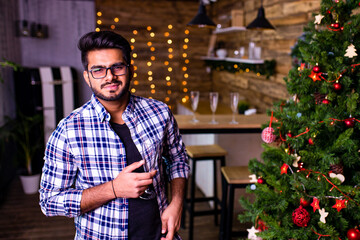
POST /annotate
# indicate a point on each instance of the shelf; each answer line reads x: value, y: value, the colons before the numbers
x: 229, y: 30
x: 237, y: 60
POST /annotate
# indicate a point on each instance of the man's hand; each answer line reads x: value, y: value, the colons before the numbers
x: 129, y: 184
x: 171, y: 217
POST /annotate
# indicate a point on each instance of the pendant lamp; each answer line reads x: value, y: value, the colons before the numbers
x: 201, y: 19
x: 260, y: 21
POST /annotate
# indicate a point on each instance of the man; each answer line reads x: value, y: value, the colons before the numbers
x: 95, y: 158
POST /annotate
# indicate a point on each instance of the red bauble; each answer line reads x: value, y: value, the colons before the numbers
x: 267, y: 135
x: 301, y: 217
x: 261, y: 181
x: 337, y: 86
x: 304, y: 202
x: 316, y: 69
x: 289, y: 135
x: 335, y: 25
x: 325, y: 101
x: 353, y: 234
x: 350, y: 122
x: 311, y: 141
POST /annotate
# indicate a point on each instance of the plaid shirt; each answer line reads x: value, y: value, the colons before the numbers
x: 84, y: 151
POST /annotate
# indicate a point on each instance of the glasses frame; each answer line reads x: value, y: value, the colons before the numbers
x: 111, y: 70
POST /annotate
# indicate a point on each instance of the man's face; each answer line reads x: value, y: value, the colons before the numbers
x: 111, y: 87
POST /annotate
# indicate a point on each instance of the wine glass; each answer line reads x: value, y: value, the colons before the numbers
x: 214, y: 98
x: 151, y: 155
x: 234, y: 100
x: 194, y: 103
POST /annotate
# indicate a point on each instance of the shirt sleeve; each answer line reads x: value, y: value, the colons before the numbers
x: 178, y: 166
x: 58, y: 197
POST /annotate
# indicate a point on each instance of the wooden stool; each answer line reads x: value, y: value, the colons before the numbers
x: 232, y: 177
x: 202, y: 153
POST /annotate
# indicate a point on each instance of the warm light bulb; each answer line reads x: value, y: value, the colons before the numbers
x: 170, y: 69
x: 134, y: 55
x: 185, y: 46
x: 149, y: 44
x: 170, y: 26
x: 97, y: 29
x: 184, y: 83
x: 99, y: 22
x: 168, y: 92
x: 152, y: 86
x: 166, y: 63
x: 135, y: 32
x: 116, y: 19
x: 152, y: 34
x: 186, y: 75
x: 185, y: 90
x: 184, y: 55
x: 99, y: 14
x: 166, y: 34
x: 184, y: 69
x: 169, y: 41
x: 152, y: 58
x: 186, y: 40
x: 149, y: 64
x: 187, y: 31
x: 170, y: 50
x: 168, y: 84
x: 168, y: 78
x: 150, y: 73
x: 152, y: 49
x: 148, y: 28
x: 132, y: 40
x: 136, y: 82
x: 112, y: 27
x: 133, y: 90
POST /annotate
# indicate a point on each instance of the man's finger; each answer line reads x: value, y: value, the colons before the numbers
x: 134, y: 166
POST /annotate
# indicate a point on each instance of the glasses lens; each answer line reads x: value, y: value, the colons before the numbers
x: 118, y: 69
x: 98, y: 72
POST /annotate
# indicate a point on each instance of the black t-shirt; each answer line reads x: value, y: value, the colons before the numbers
x: 144, y: 216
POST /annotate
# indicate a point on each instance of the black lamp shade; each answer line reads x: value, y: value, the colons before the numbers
x: 260, y: 21
x: 201, y: 19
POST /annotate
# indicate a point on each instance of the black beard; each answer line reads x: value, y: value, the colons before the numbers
x: 122, y: 93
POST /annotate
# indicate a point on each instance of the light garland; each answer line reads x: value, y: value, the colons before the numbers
x: 134, y: 79
x: 184, y: 69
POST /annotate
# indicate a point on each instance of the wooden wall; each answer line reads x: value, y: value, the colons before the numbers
x: 141, y: 14
x: 288, y: 16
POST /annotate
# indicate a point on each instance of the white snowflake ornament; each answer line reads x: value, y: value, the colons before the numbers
x: 318, y: 18
x: 252, y: 234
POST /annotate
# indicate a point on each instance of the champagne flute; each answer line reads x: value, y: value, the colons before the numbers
x: 214, y: 98
x: 194, y: 103
x: 151, y: 155
x: 234, y: 100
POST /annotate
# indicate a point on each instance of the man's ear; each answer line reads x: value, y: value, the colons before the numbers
x: 86, y: 78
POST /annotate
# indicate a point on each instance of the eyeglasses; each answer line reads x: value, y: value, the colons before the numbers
x: 117, y: 69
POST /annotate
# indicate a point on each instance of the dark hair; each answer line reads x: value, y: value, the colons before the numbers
x: 103, y: 40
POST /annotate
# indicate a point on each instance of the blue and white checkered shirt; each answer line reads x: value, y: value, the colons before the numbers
x: 84, y: 151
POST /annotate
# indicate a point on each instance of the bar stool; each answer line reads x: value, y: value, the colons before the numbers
x: 232, y: 178
x: 201, y: 153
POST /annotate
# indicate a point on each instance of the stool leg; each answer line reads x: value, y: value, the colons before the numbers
x: 222, y: 234
x: 216, y: 202
x: 192, y: 202
x: 230, y: 212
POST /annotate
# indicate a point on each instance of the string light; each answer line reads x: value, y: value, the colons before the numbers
x: 135, y: 81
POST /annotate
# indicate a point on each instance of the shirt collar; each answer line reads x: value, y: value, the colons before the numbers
x: 104, y: 115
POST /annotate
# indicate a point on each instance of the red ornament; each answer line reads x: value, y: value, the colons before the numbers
x: 337, y: 86
x: 350, y: 122
x: 353, y: 234
x: 261, y: 180
x: 284, y: 168
x: 335, y: 25
x: 289, y: 135
x: 316, y: 69
x: 301, y: 217
x: 267, y: 135
x: 311, y: 141
x: 304, y: 202
x: 261, y: 226
x: 340, y: 204
x: 325, y: 101
x: 315, y: 76
x: 315, y: 204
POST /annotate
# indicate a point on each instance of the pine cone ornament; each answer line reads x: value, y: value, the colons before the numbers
x: 319, y: 97
x: 337, y: 168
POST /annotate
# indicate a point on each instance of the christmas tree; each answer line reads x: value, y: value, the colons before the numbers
x: 307, y: 184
